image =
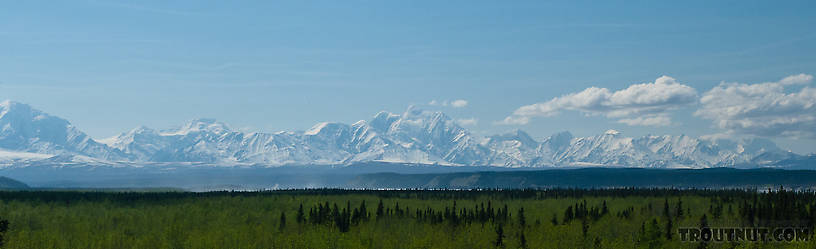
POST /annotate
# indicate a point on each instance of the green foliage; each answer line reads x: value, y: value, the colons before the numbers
x: 612, y: 218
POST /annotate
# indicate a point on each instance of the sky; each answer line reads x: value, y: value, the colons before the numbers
x: 734, y: 69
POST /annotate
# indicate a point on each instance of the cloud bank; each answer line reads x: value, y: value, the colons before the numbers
x: 639, y: 104
x: 763, y: 109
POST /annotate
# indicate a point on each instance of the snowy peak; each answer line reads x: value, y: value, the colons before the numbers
x: 383, y: 120
x: 140, y: 133
x: 558, y: 140
x: 518, y: 137
x: 141, y: 143
x: 7, y: 106
x: 200, y: 125
x: 21, y: 115
x: 512, y: 149
x: 428, y: 122
x: 25, y: 129
x: 326, y: 129
x: 329, y: 136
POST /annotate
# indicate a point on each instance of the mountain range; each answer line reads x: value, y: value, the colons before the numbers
x: 30, y: 137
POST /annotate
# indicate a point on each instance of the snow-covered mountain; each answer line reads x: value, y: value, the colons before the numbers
x: 29, y: 136
x: 24, y: 129
x: 414, y: 137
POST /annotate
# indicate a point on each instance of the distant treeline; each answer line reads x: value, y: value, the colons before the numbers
x: 595, y: 178
x: 422, y: 194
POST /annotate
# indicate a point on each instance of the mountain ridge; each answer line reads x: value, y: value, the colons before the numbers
x: 414, y: 136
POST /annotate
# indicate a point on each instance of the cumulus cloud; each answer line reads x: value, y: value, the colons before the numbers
x: 763, y: 109
x: 459, y: 103
x: 796, y: 79
x: 467, y: 121
x: 514, y: 120
x: 639, y: 104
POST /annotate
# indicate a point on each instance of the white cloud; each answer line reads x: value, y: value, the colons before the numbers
x: 649, y: 120
x: 763, y: 109
x: 796, y: 79
x: 467, y: 121
x: 639, y: 104
x: 514, y: 120
x: 459, y: 103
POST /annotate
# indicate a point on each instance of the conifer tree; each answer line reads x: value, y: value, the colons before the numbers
x: 521, y: 219
x: 679, y: 209
x: 499, y: 236
x: 282, y: 224
x: 336, y: 216
x: 703, y: 224
x: 363, y: 211
x: 568, y: 215
x: 301, y: 217
x: 380, y: 209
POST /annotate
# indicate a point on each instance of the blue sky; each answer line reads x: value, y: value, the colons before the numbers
x: 109, y: 66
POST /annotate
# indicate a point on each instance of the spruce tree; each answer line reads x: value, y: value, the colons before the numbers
x: 584, y: 227
x: 337, y: 217
x: 380, y: 209
x: 301, y: 217
x: 363, y: 211
x: 568, y: 215
x: 679, y: 209
x: 499, y: 236
x: 282, y: 224
x: 703, y: 224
